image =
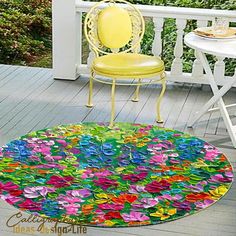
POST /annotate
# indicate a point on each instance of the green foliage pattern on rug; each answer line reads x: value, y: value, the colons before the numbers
x: 133, y: 174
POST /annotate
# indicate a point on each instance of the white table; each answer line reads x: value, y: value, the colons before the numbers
x: 217, y: 48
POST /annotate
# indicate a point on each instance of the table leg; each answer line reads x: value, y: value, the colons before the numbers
x: 216, y: 98
x: 212, y: 101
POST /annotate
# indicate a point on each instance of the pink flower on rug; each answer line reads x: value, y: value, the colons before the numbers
x: 52, y: 158
x: 163, y: 145
x: 174, y: 161
x: 153, y: 148
x: 220, y: 178
x: 10, y: 199
x: 144, y: 130
x: 87, y: 174
x: 204, y: 204
x: 169, y: 197
x: 184, y: 205
x: 142, y: 168
x: 229, y: 174
x: 136, y: 189
x: 210, y: 155
x: 156, y: 187
x: 45, y: 150
x: 146, y: 203
x: 8, y: 186
x: 108, y: 206
x: 176, y: 135
x: 72, y: 209
x: 35, y: 158
x: 203, y: 182
x: 103, y: 173
x: 173, y: 155
x: 158, y: 159
x: 155, y: 140
x: 74, y: 150
x: 71, y: 204
x: 59, y: 181
x: 65, y: 200
x: 28, y: 204
x: 49, y: 142
x: 99, y: 212
x: 52, y: 165
x: 34, y: 192
x: 79, y: 193
x: 195, y: 188
x: 134, y: 216
x: 62, y: 142
x: 105, y: 183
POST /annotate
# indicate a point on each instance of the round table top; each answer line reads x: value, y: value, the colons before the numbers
x: 222, y: 48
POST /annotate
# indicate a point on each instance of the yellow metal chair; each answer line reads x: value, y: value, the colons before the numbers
x: 114, y: 32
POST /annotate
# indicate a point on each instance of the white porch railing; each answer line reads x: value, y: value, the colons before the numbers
x: 67, y: 39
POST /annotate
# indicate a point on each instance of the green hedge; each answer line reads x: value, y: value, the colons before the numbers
x: 25, y: 30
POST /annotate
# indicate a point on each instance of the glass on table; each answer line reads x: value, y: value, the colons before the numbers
x: 220, y: 25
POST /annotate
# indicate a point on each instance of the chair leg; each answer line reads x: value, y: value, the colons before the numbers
x: 163, y: 82
x: 136, y: 94
x: 90, y: 104
x: 112, y: 103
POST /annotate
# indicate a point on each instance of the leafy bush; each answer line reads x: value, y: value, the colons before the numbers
x: 25, y: 29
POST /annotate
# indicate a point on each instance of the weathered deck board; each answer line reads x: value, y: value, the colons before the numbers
x: 19, y: 100
x: 30, y: 100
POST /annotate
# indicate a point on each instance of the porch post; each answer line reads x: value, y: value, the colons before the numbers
x: 66, y: 39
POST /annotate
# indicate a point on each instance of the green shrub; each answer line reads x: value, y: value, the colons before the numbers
x: 25, y: 29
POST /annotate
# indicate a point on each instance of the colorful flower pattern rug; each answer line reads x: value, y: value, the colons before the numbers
x: 133, y: 174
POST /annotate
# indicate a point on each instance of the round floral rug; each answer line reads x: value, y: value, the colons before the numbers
x: 133, y: 174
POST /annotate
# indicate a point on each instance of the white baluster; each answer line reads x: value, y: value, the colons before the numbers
x: 157, y: 42
x: 219, y: 68
x: 177, y: 65
x: 197, y: 70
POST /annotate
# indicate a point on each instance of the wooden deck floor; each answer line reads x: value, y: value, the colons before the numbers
x: 30, y: 100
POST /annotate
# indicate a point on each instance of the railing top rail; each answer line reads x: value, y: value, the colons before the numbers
x: 168, y: 12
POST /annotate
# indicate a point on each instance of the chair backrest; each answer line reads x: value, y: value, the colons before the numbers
x: 111, y: 27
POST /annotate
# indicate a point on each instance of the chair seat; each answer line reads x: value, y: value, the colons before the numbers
x: 127, y: 65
